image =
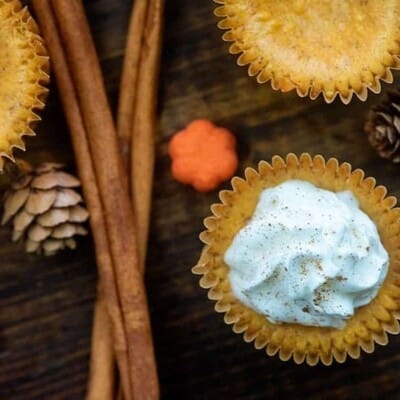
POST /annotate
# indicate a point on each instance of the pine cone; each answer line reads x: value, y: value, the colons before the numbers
x: 45, y: 209
x: 383, y: 127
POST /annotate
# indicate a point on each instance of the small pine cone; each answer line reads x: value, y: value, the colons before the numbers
x: 45, y: 209
x: 383, y: 127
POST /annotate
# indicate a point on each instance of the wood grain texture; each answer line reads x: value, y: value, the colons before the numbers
x: 46, y: 303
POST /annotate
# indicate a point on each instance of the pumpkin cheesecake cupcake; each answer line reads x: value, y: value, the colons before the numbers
x: 331, y: 47
x: 24, y: 67
x: 303, y: 258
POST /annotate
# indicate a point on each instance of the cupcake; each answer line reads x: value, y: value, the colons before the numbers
x: 329, y: 46
x: 24, y: 67
x: 303, y: 257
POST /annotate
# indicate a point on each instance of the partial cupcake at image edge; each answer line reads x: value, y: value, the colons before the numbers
x: 332, y: 289
x: 326, y: 47
x: 24, y: 65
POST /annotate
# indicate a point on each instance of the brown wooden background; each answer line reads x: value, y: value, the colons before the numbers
x: 46, y: 304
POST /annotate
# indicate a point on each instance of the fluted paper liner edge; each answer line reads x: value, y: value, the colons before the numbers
x: 370, y: 323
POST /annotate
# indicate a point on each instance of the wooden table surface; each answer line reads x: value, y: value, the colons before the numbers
x: 46, y: 304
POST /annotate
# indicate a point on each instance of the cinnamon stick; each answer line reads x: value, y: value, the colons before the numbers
x: 144, y: 123
x: 102, y: 371
x: 85, y: 167
x: 104, y: 147
x: 136, y: 119
x: 129, y: 76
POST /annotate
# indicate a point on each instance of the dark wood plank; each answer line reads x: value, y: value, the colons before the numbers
x: 46, y: 303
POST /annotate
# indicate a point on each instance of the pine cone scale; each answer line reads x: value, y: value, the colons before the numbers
x: 40, y: 202
x: 13, y: 203
x: 51, y: 246
x: 396, y: 123
x: 23, y: 182
x: 50, y: 180
x: 38, y: 233
x: 67, y: 198
x: 53, y: 217
x: 78, y: 214
x: 66, y: 230
x: 22, y: 220
x: 386, y: 117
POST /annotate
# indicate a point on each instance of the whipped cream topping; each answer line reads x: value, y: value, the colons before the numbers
x: 307, y: 256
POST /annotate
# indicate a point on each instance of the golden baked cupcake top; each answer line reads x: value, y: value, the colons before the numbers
x: 24, y: 67
x: 315, y: 46
x: 373, y: 317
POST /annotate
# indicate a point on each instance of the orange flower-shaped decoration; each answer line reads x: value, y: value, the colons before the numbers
x: 203, y: 155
